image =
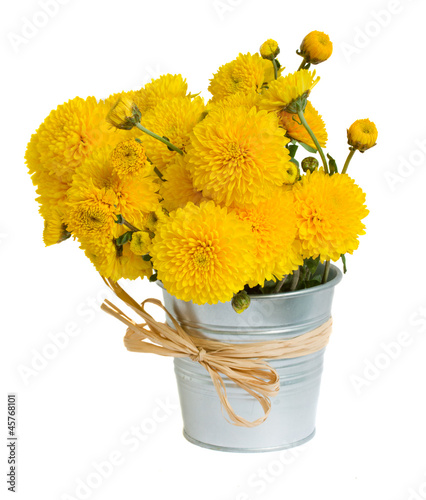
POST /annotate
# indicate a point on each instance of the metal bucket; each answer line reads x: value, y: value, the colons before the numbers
x: 269, y: 317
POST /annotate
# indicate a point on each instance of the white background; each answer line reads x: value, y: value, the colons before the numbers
x: 75, y: 408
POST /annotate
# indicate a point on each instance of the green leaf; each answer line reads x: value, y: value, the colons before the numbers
x: 312, y: 264
x: 315, y: 281
x: 119, y: 219
x: 292, y: 149
x: 333, y: 165
x: 345, y: 269
x: 146, y: 257
x: 124, y: 238
x: 153, y: 278
x: 308, y: 148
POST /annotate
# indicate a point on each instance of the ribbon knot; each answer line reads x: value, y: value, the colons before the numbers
x: 244, y: 364
x: 199, y: 357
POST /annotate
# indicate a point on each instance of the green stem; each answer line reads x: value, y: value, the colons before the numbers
x: 274, y: 62
x: 326, y: 272
x: 160, y: 175
x: 296, y: 276
x: 130, y: 226
x: 317, y: 144
x: 348, y: 160
x: 301, y: 64
x: 161, y: 139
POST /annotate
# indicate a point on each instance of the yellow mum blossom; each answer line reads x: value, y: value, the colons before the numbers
x: 140, y: 243
x: 203, y: 253
x: 155, y: 217
x: 240, y: 99
x: 52, y: 190
x: 238, y: 156
x: 269, y: 49
x: 178, y: 188
x: 174, y: 119
x: 273, y: 222
x: 164, y: 88
x: 71, y: 133
x: 129, y: 158
x: 55, y: 231
x: 289, y: 92
x: 329, y: 211
x: 362, y: 135
x: 131, y: 196
x: 93, y: 218
x: 116, y: 262
x: 316, y: 47
x: 296, y: 130
x: 244, y: 74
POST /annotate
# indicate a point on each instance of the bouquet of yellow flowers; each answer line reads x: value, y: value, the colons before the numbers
x: 208, y: 198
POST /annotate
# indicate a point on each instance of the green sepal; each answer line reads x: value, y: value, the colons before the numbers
x: 119, y: 219
x: 146, y: 257
x: 153, y: 278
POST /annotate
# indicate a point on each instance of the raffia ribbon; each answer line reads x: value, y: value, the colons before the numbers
x: 244, y: 364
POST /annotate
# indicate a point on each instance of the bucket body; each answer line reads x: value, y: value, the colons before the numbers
x: 291, y: 421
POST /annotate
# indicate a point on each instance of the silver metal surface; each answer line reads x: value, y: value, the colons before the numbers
x: 269, y: 317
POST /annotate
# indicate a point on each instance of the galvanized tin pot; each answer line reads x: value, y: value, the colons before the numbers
x: 269, y: 317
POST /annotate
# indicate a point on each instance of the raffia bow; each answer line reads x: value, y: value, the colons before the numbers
x: 244, y: 364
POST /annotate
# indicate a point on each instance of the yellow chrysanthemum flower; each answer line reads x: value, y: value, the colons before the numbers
x: 55, y: 231
x: 203, y: 253
x: 153, y: 218
x: 140, y: 243
x: 131, y: 196
x: 316, y: 47
x: 240, y: 99
x: 92, y: 218
x: 164, y: 88
x: 70, y: 134
x: 129, y: 158
x: 273, y: 222
x: 289, y: 92
x: 116, y: 262
x: 329, y: 211
x: 178, y: 188
x: 269, y: 49
x: 244, y: 74
x: 174, y: 119
x: 238, y: 157
x: 296, y: 130
x: 362, y: 135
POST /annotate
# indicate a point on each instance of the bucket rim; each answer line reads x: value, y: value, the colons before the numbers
x: 331, y: 283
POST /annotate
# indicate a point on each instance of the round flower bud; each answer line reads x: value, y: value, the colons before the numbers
x: 269, y: 49
x: 140, y: 243
x: 316, y: 47
x: 362, y: 135
x: 241, y: 301
x: 310, y: 163
x: 124, y: 114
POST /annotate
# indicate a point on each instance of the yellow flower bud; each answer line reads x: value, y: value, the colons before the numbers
x: 269, y: 49
x: 362, y: 135
x: 140, y: 243
x: 124, y: 114
x: 316, y: 47
x: 241, y: 301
